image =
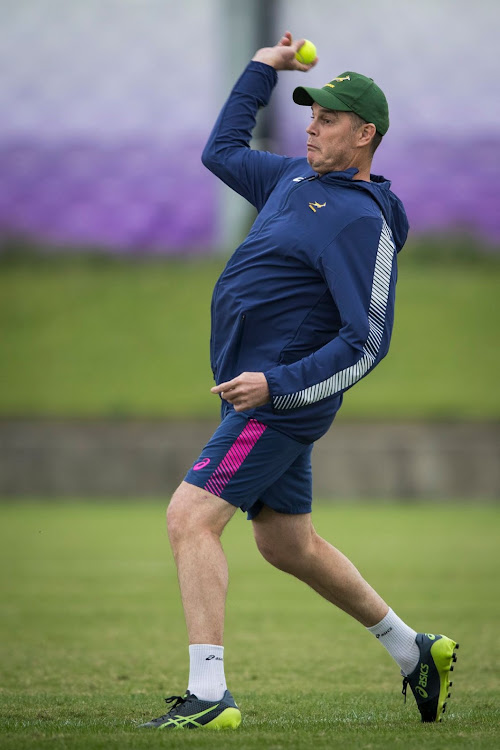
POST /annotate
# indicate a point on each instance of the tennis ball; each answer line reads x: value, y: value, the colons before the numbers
x: 307, y: 53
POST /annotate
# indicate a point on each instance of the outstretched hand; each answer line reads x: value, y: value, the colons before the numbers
x: 282, y: 56
x: 247, y: 391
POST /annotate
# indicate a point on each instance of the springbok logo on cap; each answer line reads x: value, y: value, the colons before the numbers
x: 339, y: 80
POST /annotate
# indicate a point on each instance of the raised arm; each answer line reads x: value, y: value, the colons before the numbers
x: 253, y: 174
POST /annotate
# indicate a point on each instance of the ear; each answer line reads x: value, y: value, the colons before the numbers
x: 366, y: 134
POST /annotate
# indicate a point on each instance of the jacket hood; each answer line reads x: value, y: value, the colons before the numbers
x: 380, y: 190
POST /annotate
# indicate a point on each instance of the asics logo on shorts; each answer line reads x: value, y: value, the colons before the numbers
x: 201, y: 464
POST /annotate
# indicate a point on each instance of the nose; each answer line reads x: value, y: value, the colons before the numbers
x: 311, y: 128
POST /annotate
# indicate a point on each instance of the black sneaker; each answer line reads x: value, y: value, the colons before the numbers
x: 190, y: 713
x: 430, y: 680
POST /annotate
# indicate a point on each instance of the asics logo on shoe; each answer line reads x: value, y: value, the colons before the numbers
x: 430, y: 636
x: 186, y: 721
x: 422, y: 681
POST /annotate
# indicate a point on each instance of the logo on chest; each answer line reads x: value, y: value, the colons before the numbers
x: 315, y: 206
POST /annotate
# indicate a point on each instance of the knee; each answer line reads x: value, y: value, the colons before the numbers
x: 174, y: 520
x: 178, y: 524
x: 292, y: 553
x: 192, y: 513
x: 278, y: 553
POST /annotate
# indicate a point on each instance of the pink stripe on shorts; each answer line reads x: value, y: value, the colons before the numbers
x: 235, y: 457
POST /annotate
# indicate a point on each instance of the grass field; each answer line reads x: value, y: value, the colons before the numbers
x: 92, y: 635
x: 102, y: 336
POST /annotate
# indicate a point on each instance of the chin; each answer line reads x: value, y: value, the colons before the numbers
x: 313, y: 164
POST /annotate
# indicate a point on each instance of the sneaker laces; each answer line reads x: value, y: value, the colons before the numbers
x: 406, y: 682
x: 177, y: 700
x: 180, y: 699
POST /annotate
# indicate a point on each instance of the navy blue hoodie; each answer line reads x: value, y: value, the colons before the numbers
x: 308, y: 297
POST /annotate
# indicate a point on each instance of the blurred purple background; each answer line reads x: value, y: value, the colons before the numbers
x: 105, y: 108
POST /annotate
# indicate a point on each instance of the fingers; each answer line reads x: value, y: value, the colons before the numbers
x: 247, y: 391
x: 298, y: 44
x: 296, y: 64
x: 304, y: 68
x: 285, y: 40
x: 240, y: 401
x: 230, y: 392
x: 282, y: 55
x: 301, y: 66
x: 224, y: 386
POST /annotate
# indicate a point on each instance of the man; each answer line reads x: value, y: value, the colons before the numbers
x: 302, y: 311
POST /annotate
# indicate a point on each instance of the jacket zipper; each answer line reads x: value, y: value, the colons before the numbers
x: 239, y: 339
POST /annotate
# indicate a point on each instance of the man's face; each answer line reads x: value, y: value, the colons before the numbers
x: 331, y: 146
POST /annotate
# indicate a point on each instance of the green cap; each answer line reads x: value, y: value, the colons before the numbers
x: 350, y: 92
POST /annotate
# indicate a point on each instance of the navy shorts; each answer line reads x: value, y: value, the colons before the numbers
x: 249, y: 464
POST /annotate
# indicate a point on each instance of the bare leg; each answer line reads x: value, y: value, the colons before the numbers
x: 195, y: 521
x: 290, y: 543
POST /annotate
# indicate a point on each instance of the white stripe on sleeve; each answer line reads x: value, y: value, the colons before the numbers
x: 376, y: 318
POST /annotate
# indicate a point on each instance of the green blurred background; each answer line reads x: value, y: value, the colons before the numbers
x: 97, y: 335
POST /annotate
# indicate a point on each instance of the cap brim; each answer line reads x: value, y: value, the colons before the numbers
x: 306, y: 96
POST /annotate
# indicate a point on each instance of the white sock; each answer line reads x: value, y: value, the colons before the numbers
x: 399, y: 640
x: 206, y: 671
